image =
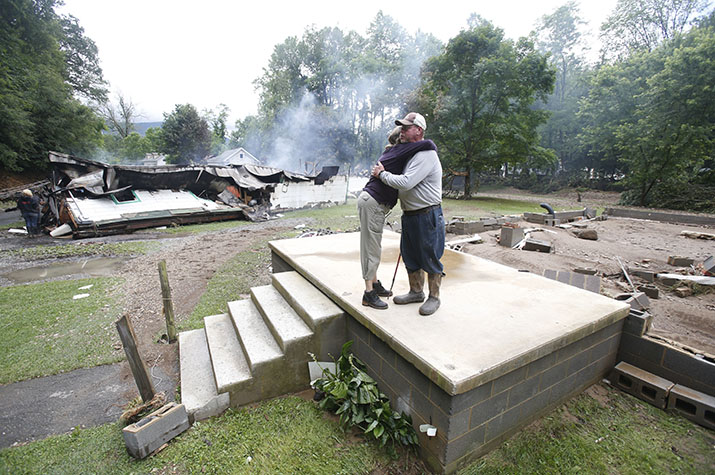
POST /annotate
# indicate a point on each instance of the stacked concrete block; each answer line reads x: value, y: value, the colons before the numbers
x: 637, y: 322
x: 694, y: 405
x: 476, y: 421
x: 469, y: 227
x: 510, y: 237
x: 641, y: 384
x: 156, y: 429
x: 591, y: 283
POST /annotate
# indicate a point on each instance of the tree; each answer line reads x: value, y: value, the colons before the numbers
x: 558, y: 36
x: 38, y: 112
x: 644, y: 24
x: 120, y: 117
x: 185, y: 135
x: 217, y: 121
x: 654, y: 113
x: 479, y: 95
x: 83, y: 72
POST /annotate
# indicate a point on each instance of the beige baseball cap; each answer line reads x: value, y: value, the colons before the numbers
x: 413, y: 118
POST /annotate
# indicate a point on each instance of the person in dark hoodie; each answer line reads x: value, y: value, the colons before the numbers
x: 374, y: 204
x: 29, y: 206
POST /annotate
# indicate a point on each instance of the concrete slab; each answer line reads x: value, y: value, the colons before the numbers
x: 198, y: 386
x: 229, y: 363
x: 493, y: 319
x: 259, y: 346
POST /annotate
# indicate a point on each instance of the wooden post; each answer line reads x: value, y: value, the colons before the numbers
x: 126, y: 333
x: 166, y: 300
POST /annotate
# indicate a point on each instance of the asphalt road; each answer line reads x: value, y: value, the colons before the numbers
x: 40, y: 407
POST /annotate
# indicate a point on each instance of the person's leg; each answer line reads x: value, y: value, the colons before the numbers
x: 408, y: 242
x: 372, y: 219
x: 432, y: 251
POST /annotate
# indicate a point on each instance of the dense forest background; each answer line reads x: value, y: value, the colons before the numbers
x: 538, y: 112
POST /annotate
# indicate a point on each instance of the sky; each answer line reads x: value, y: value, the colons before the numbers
x: 159, y: 53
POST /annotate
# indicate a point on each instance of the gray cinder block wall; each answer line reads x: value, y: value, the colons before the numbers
x: 472, y: 423
x: 661, y: 359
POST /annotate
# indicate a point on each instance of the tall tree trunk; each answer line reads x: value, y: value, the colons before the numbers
x: 468, y: 184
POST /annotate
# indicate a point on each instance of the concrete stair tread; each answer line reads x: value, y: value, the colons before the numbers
x: 258, y: 343
x: 285, y: 324
x: 229, y: 363
x: 314, y: 306
x: 198, y: 387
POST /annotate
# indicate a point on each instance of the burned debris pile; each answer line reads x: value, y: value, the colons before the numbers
x: 88, y: 198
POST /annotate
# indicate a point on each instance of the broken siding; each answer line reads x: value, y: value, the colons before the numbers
x: 101, y: 210
x: 289, y: 195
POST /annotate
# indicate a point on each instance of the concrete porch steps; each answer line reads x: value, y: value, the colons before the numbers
x: 259, y: 349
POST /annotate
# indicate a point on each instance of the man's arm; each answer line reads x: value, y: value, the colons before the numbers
x: 416, y: 170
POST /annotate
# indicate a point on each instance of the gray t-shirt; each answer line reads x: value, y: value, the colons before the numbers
x: 420, y: 184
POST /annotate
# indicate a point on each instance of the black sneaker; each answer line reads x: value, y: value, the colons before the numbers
x: 370, y: 299
x: 381, y: 291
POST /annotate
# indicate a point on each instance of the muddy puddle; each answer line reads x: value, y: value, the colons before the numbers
x: 96, y: 267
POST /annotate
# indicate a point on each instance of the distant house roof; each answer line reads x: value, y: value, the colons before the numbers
x: 236, y: 156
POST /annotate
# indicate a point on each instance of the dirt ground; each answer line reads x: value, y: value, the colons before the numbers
x: 689, y: 321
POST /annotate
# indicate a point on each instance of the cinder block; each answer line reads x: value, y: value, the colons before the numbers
x: 585, y: 270
x: 643, y: 274
x: 650, y: 290
x: 637, y: 300
x: 641, y: 384
x: 510, y: 236
x: 637, y: 322
x: 144, y: 437
x: 471, y: 227
x: 679, y: 261
x: 692, y: 404
x: 537, y: 245
x: 548, y: 221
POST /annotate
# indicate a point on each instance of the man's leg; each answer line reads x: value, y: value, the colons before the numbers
x: 408, y: 242
x: 432, y: 251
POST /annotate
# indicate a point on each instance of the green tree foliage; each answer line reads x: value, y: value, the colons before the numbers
x: 653, y: 114
x: 558, y: 35
x: 185, y: 135
x: 39, y: 73
x: 479, y: 94
x: 338, y: 91
x: 643, y: 24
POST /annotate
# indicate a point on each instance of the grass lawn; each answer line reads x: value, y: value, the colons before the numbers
x: 78, y: 249
x: 45, y: 331
x: 283, y: 435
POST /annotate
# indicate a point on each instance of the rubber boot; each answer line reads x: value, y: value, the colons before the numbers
x: 432, y: 303
x: 415, y: 295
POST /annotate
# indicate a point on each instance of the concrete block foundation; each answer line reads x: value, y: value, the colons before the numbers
x: 472, y: 423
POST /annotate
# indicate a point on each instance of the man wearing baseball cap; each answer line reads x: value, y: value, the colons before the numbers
x: 423, y: 233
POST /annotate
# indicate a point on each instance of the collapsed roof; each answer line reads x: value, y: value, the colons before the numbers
x: 96, y: 198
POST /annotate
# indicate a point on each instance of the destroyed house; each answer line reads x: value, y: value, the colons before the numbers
x: 92, y: 198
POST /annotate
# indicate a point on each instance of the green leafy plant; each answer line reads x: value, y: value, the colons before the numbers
x: 353, y: 395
